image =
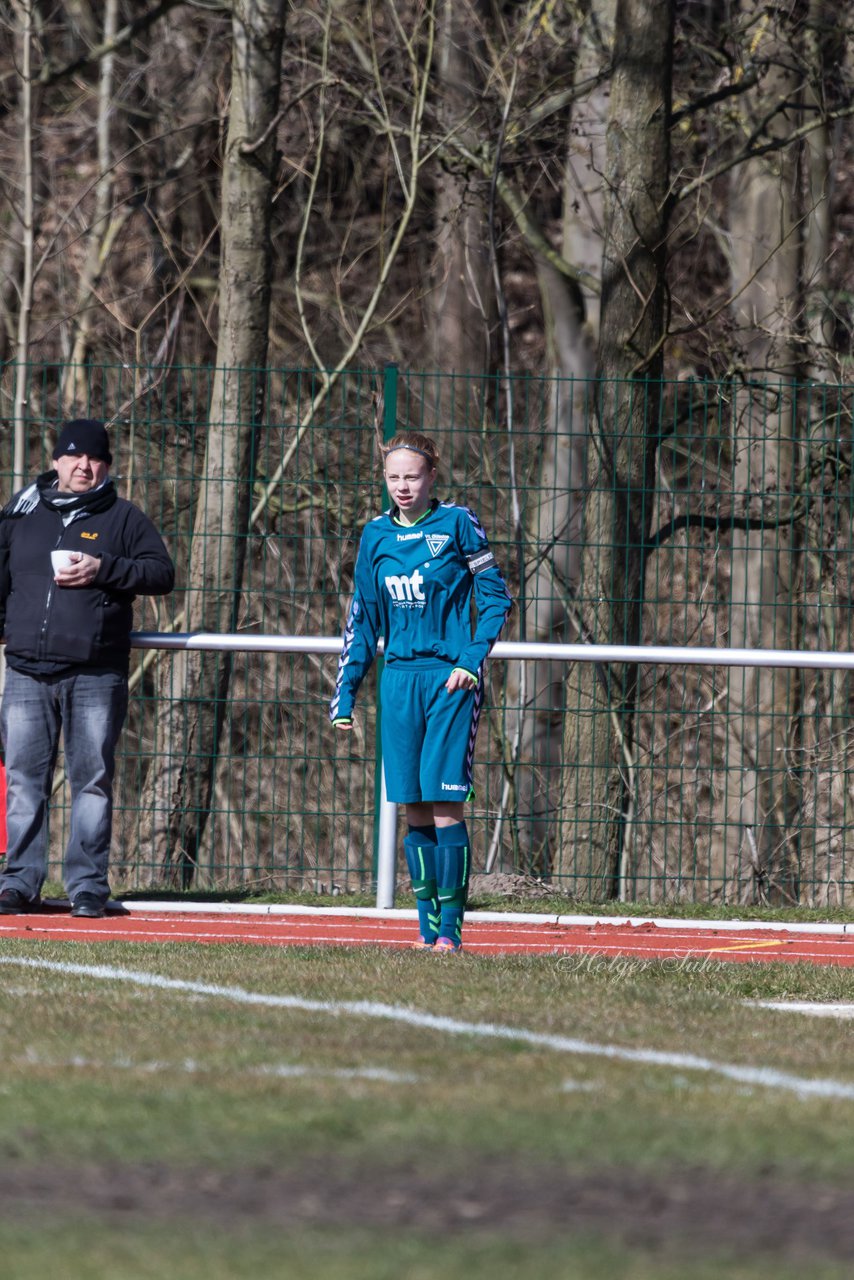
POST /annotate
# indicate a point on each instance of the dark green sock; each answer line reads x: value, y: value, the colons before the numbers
x: 452, y: 877
x: 420, y: 849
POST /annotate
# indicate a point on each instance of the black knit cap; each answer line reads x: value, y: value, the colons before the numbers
x: 84, y: 435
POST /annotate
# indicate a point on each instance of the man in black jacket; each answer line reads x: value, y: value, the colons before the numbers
x: 73, y: 556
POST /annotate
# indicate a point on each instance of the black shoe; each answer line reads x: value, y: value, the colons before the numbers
x: 15, y: 903
x: 86, y: 904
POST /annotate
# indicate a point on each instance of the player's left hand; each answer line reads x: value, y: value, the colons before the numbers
x: 460, y: 680
x: 80, y: 573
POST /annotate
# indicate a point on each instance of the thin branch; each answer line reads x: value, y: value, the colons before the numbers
x: 329, y: 379
x: 753, y: 153
x: 514, y: 202
x: 718, y: 95
x: 99, y: 51
x: 51, y: 251
x: 309, y: 205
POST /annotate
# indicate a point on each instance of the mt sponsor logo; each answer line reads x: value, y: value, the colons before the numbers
x: 406, y: 589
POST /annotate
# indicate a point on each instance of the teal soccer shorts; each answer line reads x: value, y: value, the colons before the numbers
x: 428, y: 734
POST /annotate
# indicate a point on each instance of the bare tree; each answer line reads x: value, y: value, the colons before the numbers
x: 462, y: 300
x: 824, y: 58
x: 102, y: 229
x: 177, y: 795
x: 24, y: 10
x: 598, y: 793
x: 764, y: 214
x: 553, y: 526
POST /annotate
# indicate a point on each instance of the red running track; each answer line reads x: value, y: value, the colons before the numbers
x: 648, y: 940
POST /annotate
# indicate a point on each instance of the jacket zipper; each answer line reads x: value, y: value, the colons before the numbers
x: 47, y: 604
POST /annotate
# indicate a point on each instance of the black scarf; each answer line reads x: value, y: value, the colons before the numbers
x: 93, y: 501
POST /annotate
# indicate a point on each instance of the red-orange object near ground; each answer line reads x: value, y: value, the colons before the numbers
x: 665, y: 939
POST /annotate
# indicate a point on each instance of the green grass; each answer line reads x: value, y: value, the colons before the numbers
x: 108, y: 1081
x: 212, y: 1254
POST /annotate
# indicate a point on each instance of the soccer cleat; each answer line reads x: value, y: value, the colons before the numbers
x: 423, y: 945
x: 447, y: 944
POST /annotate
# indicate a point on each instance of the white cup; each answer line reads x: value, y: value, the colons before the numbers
x: 61, y: 560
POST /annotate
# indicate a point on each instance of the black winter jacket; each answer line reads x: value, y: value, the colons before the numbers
x: 50, y: 629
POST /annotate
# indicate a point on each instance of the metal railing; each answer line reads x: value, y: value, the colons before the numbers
x: 387, y: 814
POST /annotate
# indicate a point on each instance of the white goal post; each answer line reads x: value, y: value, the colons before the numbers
x: 506, y: 650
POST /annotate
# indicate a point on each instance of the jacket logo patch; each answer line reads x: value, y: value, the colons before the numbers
x: 90, y: 536
x: 436, y: 542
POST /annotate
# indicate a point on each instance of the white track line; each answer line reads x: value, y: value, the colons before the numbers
x: 765, y: 1077
x: 506, y: 917
x: 816, y: 1009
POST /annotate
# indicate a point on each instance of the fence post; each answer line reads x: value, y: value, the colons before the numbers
x: 386, y: 846
x: 385, y: 813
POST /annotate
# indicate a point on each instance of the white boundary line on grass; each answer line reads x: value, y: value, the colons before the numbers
x: 188, y: 1066
x: 764, y: 1077
x: 485, y: 917
x: 815, y: 1008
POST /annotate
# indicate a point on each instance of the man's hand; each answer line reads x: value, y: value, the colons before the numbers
x: 81, y: 572
x: 344, y: 722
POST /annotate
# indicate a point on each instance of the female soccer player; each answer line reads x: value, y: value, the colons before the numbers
x: 417, y: 567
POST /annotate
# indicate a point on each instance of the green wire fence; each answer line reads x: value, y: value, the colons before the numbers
x: 693, y: 513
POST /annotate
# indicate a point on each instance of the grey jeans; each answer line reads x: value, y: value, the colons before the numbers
x: 89, y: 710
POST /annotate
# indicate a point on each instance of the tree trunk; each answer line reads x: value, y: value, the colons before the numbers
x: 766, y: 287
x: 192, y: 693
x: 825, y: 55
x: 553, y: 530
x: 462, y: 297
x: 598, y: 792
x: 25, y: 15
x: 824, y: 696
x: 76, y: 388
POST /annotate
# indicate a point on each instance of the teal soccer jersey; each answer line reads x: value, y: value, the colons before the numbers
x: 413, y: 587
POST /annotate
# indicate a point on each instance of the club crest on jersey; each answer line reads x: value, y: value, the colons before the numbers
x: 437, y: 542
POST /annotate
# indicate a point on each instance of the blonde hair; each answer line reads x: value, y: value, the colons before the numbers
x: 414, y: 441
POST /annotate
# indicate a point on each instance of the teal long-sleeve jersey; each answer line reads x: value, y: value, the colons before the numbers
x: 413, y: 586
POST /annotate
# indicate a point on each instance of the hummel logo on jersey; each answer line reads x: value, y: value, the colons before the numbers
x: 471, y: 515
x: 436, y: 541
x: 406, y: 590
x: 407, y: 537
